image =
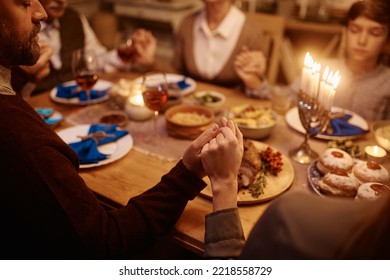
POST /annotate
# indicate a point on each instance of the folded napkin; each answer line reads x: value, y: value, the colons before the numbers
x: 341, y: 127
x: 179, y: 85
x: 183, y: 84
x: 71, y: 91
x: 98, y: 134
x: 50, y: 116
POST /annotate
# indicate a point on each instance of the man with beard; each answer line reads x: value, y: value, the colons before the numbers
x: 64, y: 31
x: 46, y: 209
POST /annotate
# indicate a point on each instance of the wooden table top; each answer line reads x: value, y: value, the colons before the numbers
x: 137, y: 171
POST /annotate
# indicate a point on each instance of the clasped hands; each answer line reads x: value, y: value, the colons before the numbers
x: 250, y: 66
x: 146, y: 45
x: 217, y: 153
x: 41, y: 68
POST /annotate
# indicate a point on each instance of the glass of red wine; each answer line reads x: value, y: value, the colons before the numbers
x: 85, y: 67
x: 126, y: 50
x: 155, y: 95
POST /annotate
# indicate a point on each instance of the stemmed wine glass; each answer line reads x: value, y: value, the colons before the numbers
x: 85, y: 68
x: 155, y: 95
x: 314, y: 117
x: 125, y: 48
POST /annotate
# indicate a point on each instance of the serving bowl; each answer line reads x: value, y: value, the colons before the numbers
x: 114, y: 117
x: 212, y: 99
x: 382, y: 133
x: 188, y: 121
x: 254, y: 121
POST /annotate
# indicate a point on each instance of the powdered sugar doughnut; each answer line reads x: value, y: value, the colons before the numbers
x: 334, y: 158
x: 371, y: 191
x: 370, y: 171
x: 339, y: 183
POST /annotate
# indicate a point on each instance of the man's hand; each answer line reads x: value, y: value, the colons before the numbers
x: 191, y: 157
x: 41, y: 69
x: 221, y: 158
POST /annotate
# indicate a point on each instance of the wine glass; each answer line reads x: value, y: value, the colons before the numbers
x: 155, y: 95
x: 125, y: 48
x: 315, y: 119
x: 85, y: 68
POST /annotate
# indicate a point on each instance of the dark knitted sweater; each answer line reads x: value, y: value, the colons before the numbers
x: 48, y: 212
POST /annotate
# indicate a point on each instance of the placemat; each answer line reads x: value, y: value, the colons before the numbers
x: 166, y: 148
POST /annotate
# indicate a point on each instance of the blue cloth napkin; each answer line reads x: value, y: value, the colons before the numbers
x: 87, y: 150
x: 49, y: 115
x: 183, y: 84
x: 71, y: 91
x: 341, y: 127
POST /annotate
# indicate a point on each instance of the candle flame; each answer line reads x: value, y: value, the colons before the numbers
x: 336, y: 79
x: 308, y: 61
x: 316, y: 67
x: 329, y: 78
x: 326, y: 73
x: 137, y: 99
x: 375, y: 151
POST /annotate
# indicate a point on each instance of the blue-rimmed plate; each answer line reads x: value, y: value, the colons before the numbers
x: 314, y: 176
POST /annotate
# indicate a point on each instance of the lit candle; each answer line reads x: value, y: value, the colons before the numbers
x: 316, y: 78
x: 135, y: 106
x: 323, y: 87
x: 306, y: 73
x: 375, y: 153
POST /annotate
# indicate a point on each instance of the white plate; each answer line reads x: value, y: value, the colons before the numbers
x: 173, y: 78
x: 100, y: 85
x: 292, y: 119
x: 116, y: 150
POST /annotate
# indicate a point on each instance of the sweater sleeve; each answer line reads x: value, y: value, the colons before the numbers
x: 224, y: 237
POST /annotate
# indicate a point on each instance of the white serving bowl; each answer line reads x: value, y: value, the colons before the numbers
x: 256, y: 132
x: 256, y: 125
x: 382, y: 133
x: 212, y: 99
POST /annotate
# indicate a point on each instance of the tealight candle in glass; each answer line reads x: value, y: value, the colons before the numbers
x: 375, y: 153
x: 135, y: 106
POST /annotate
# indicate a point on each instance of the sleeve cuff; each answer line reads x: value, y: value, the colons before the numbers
x: 224, y: 237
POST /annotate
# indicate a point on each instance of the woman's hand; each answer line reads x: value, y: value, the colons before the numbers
x: 221, y: 159
x: 250, y: 66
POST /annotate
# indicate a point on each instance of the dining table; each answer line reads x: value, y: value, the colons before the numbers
x: 115, y: 183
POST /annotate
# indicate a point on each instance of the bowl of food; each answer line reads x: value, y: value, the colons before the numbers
x: 188, y: 121
x: 114, y: 117
x: 212, y: 99
x: 382, y: 133
x: 254, y: 121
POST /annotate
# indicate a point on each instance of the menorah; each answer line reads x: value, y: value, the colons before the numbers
x: 315, y: 101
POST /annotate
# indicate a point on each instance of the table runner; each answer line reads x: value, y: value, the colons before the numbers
x: 169, y: 148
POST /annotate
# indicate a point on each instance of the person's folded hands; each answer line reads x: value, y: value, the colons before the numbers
x: 250, y: 66
x: 41, y: 68
x: 146, y: 45
x: 221, y: 159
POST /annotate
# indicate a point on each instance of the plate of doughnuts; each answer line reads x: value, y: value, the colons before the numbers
x: 337, y: 174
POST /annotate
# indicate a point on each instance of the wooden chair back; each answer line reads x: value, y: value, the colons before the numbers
x: 274, y: 27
